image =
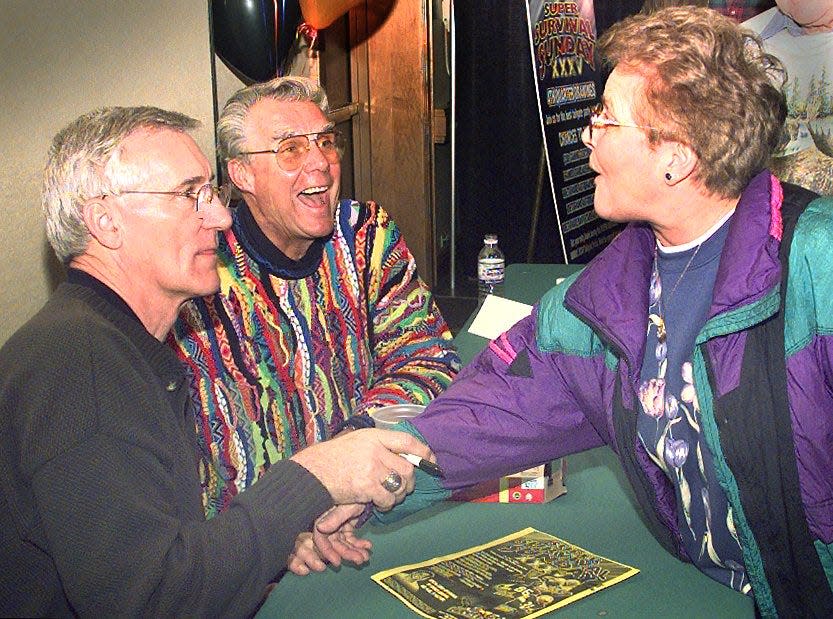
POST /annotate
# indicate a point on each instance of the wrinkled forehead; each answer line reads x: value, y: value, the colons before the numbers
x: 272, y: 119
x: 166, y: 156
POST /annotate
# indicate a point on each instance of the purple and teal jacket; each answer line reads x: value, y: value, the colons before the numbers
x: 554, y: 383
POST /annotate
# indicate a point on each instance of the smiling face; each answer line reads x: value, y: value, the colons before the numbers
x: 291, y: 208
x: 167, y: 249
x: 629, y: 170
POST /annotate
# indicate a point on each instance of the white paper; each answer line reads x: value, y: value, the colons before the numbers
x: 496, y: 315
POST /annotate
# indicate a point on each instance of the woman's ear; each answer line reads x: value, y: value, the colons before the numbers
x: 681, y: 161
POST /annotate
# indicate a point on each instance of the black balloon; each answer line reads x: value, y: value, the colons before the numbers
x: 253, y: 37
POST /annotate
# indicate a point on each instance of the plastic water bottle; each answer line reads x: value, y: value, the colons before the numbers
x: 490, y: 268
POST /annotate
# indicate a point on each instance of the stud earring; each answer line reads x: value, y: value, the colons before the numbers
x: 668, y: 176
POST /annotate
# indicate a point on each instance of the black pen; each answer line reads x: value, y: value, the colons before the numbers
x: 426, y: 465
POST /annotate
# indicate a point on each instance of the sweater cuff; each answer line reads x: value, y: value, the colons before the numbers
x: 289, y: 494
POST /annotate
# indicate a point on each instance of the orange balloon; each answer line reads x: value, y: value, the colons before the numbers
x: 321, y: 13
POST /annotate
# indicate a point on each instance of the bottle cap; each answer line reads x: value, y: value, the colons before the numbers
x: 490, y: 239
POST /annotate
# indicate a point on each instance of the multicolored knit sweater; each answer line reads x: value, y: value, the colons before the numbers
x: 287, y: 350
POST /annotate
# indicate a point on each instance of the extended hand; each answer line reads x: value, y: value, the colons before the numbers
x: 353, y: 465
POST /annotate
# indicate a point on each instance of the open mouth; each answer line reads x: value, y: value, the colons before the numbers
x: 315, y: 196
x: 311, y: 191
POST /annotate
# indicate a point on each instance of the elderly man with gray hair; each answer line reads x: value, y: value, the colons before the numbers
x: 102, y: 510
x: 321, y: 316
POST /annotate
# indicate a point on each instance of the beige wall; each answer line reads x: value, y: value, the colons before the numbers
x: 59, y: 59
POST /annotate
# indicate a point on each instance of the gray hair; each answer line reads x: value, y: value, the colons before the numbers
x: 230, y: 134
x: 83, y: 164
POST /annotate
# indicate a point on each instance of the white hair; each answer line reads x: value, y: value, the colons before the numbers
x: 231, y: 136
x: 83, y: 163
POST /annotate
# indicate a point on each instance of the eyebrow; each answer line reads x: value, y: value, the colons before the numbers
x: 288, y: 134
x: 194, y: 180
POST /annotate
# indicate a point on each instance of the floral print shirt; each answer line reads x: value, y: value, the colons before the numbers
x: 669, y: 425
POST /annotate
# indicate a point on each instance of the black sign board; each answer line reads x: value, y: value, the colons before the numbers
x: 563, y: 42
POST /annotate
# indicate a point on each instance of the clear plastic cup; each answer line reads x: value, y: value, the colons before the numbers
x: 388, y: 416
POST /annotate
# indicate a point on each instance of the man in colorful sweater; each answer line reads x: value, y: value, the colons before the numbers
x: 321, y: 315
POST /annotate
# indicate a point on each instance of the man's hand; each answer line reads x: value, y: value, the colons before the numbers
x: 336, y: 544
x: 353, y: 465
x: 304, y: 558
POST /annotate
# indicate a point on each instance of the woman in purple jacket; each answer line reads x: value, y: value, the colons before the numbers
x: 699, y: 344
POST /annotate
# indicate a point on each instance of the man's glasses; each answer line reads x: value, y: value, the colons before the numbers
x: 599, y: 121
x: 202, y: 197
x: 292, y: 151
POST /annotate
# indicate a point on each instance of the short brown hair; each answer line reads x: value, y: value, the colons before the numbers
x: 709, y: 84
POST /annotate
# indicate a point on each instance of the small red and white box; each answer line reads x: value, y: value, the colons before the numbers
x: 539, y: 484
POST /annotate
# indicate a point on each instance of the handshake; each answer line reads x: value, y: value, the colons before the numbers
x: 358, y: 468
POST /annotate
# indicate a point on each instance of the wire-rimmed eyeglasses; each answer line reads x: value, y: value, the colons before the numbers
x: 202, y: 197
x: 292, y: 151
x: 599, y: 121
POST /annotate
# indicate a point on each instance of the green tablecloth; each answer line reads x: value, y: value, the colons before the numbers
x: 597, y: 513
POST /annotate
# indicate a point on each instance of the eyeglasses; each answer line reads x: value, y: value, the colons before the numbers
x: 292, y: 151
x: 202, y: 197
x: 598, y: 121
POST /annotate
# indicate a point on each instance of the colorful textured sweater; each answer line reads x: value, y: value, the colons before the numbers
x: 288, y: 350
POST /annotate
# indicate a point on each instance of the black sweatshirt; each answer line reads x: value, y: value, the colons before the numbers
x: 100, y: 501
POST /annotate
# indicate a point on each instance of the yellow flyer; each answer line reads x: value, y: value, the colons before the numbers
x: 525, y: 574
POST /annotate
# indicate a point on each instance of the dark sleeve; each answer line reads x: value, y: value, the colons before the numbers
x: 118, y: 497
x: 122, y: 548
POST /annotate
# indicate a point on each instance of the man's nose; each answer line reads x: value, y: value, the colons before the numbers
x: 216, y: 216
x: 315, y: 158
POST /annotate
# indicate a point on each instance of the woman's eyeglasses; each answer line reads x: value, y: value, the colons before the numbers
x: 599, y: 121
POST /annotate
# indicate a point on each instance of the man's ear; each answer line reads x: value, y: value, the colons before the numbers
x: 241, y: 175
x: 103, y: 221
x: 681, y: 161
